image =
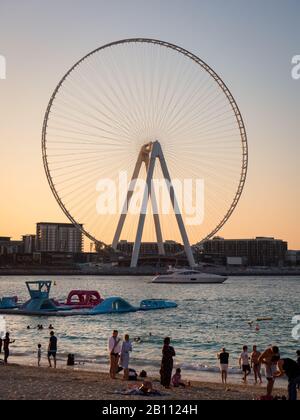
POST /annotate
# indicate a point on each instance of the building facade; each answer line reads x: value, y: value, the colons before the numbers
x: 58, y: 237
x: 29, y: 244
x: 261, y: 251
x: 150, y: 248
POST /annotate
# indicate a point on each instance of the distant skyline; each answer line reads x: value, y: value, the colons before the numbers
x: 249, y: 44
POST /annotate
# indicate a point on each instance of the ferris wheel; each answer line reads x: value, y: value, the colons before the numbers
x: 152, y: 110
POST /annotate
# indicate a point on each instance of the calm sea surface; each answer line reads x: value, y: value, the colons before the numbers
x: 207, y: 318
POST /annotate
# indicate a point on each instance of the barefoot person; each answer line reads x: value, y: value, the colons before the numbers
x: 6, y: 342
x: 244, y: 363
x: 52, y: 349
x: 266, y: 359
x: 255, y: 364
x: 168, y: 353
x: 114, y: 349
x: 39, y: 354
x: 291, y: 369
x: 224, y: 362
x: 124, y: 360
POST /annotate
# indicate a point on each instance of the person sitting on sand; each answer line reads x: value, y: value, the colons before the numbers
x: 256, y: 366
x: 291, y: 369
x: 51, y: 327
x: 124, y: 359
x: 176, y: 379
x: 114, y: 349
x: 244, y: 363
x: 6, y: 342
x: 39, y: 354
x: 266, y: 359
x: 224, y: 362
x: 52, y: 349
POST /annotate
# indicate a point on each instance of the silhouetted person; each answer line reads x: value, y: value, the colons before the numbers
x: 52, y: 349
x: 168, y: 353
x: 6, y: 342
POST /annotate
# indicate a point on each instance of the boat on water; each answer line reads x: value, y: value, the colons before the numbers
x: 185, y: 276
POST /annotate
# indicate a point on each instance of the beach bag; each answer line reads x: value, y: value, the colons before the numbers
x: 132, y: 375
x: 71, y: 360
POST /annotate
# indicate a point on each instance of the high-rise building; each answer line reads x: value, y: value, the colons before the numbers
x: 29, y: 244
x: 260, y: 251
x: 58, y: 237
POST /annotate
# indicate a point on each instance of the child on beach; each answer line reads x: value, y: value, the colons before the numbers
x: 39, y: 354
x: 244, y: 363
x: 176, y: 379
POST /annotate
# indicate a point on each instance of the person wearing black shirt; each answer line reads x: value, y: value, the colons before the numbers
x: 6, y: 342
x: 52, y: 349
x: 291, y: 369
x: 224, y: 362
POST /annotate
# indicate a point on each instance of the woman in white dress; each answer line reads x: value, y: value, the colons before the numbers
x: 126, y: 348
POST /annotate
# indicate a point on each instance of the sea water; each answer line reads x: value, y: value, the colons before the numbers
x: 207, y: 318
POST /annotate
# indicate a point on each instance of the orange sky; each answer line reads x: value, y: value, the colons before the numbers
x: 255, y: 66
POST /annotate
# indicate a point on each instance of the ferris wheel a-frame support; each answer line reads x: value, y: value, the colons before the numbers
x: 148, y: 154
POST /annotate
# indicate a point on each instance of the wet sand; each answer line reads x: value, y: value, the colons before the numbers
x: 32, y: 383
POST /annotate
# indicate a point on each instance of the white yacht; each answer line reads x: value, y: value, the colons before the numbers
x: 188, y: 276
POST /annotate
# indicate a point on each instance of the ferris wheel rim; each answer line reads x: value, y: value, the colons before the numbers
x: 204, y: 66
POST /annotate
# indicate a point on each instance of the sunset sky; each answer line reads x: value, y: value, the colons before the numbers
x: 249, y: 44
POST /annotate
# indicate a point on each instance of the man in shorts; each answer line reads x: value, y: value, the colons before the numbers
x: 224, y: 362
x: 270, y: 367
x: 52, y: 349
x: 244, y: 362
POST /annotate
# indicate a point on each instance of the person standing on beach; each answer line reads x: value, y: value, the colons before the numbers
x: 52, y: 349
x: 255, y: 364
x: 6, y: 342
x: 114, y: 349
x: 291, y: 369
x: 270, y: 366
x: 39, y: 354
x: 168, y: 353
x: 244, y: 363
x: 1, y: 342
x: 124, y: 360
x: 298, y: 357
x: 224, y: 362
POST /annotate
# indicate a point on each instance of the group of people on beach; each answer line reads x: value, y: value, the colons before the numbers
x: 119, y: 354
x: 275, y: 367
x: 52, y: 349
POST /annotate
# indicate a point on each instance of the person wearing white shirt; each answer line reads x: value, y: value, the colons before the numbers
x: 244, y: 363
x: 114, y: 349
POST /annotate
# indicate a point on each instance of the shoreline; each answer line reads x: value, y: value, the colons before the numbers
x: 148, y: 273
x: 19, y: 382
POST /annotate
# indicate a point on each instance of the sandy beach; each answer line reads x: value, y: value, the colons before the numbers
x: 32, y: 383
